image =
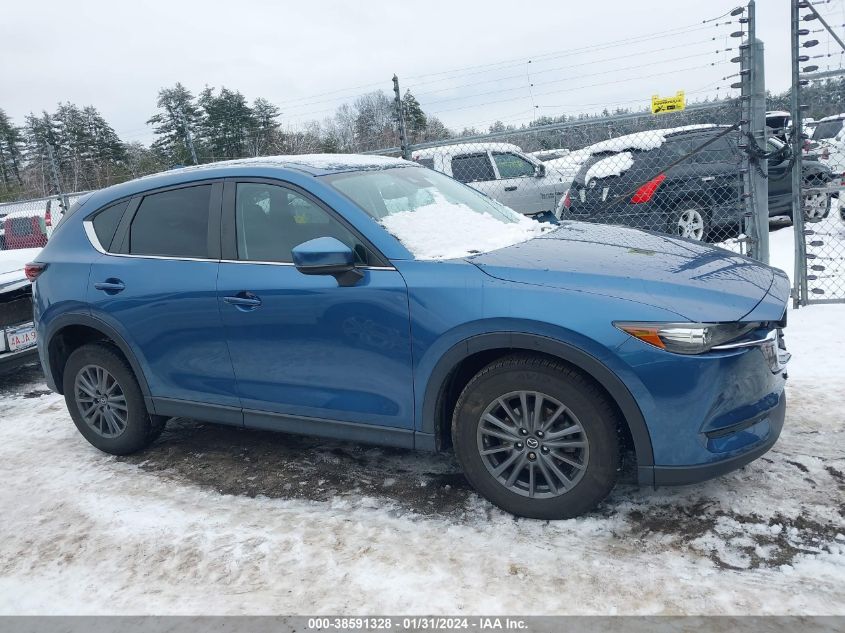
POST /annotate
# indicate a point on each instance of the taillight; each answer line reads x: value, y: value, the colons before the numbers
x: 567, y: 201
x: 33, y: 269
x: 644, y: 193
x: 48, y: 219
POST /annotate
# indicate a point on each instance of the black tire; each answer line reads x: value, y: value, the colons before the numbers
x: 683, y: 209
x: 586, y: 401
x: 141, y: 429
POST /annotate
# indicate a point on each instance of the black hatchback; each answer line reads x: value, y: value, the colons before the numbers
x: 685, y: 181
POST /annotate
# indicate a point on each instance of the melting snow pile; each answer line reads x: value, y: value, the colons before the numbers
x: 615, y: 165
x: 445, y: 230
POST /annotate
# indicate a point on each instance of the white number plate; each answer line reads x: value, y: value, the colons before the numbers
x: 20, y: 338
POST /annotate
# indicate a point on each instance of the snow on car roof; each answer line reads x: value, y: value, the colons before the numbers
x: 615, y: 165
x: 642, y: 141
x: 832, y: 117
x: 465, y: 148
x: 318, y: 162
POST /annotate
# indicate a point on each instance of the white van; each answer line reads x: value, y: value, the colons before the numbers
x: 503, y: 172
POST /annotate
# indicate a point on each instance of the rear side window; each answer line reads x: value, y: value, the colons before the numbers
x: 172, y: 223
x: 426, y: 162
x: 827, y: 129
x: 106, y: 221
x: 21, y: 226
x: 472, y: 168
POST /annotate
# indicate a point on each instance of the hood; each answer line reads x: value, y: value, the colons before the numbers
x: 696, y: 281
x: 11, y: 267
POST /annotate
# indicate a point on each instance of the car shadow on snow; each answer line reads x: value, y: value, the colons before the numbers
x: 700, y: 519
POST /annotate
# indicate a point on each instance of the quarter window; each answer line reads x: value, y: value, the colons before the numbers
x: 271, y: 220
x: 172, y: 223
x: 472, y: 168
x: 513, y: 166
x: 106, y: 221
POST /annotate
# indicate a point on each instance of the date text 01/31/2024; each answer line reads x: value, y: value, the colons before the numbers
x: 416, y: 623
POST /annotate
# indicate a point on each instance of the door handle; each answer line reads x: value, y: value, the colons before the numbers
x: 708, y: 178
x: 510, y: 188
x: 243, y: 301
x: 110, y: 286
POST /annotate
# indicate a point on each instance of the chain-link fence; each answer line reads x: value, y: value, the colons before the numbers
x: 678, y: 173
x: 29, y: 223
x: 818, y: 56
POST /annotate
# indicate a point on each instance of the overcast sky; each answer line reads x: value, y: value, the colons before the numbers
x: 468, y: 61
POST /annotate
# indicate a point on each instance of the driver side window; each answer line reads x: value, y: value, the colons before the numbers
x: 513, y: 166
x: 270, y: 220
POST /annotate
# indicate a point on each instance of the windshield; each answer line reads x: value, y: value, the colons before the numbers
x: 827, y: 129
x: 434, y: 216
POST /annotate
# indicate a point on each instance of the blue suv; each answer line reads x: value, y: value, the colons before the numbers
x: 374, y: 300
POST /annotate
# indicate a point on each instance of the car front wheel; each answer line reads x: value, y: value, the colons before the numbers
x: 536, y: 437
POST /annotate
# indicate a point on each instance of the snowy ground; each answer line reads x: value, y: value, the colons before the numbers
x: 223, y: 521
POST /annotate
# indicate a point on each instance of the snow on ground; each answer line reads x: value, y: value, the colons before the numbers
x: 446, y: 230
x: 226, y: 521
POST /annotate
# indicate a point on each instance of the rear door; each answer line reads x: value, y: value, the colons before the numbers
x: 156, y: 284
x: 310, y: 355
x: 476, y: 170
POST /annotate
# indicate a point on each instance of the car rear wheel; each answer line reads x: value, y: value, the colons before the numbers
x: 816, y: 206
x: 105, y: 401
x: 536, y: 437
x: 690, y: 221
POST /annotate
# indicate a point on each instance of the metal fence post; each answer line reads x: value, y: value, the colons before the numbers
x: 57, y: 181
x: 799, y: 283
x: 760, y: 171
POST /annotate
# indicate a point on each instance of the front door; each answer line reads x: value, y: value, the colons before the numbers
x: 306, y: 351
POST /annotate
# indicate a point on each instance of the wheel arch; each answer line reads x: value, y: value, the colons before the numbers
x: 483, y: 348
x: 70, y: 331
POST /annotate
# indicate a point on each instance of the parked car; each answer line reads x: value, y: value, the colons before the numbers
x: 828, y: 141
x: 664, y: 186
x: 816, y: 175
x: 17, y: 332
x: 369, y: 299
x: 503, y: 172
x: 28, y: 228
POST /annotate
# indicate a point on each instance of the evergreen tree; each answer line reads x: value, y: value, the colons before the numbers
x: 415, y: 119
x: 266, y: 126
x: 227, y: 124
x: 177, y: 113
x: 11, y: 157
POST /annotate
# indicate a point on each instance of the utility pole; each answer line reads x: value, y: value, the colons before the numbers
x: 400, y: 117
x: 757, y: 124
x: 800, y: 282
x: 54, y: 176
x: 189, y: 139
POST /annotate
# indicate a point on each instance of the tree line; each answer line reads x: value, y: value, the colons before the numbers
x: 222, y: 124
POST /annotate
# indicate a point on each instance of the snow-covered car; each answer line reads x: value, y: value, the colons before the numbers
x: 828, y: 141
x: 17, y: 334
x: 503, y: 172
x: 30, y: 225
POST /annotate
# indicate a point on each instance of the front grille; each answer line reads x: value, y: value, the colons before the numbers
x: 16, y: 307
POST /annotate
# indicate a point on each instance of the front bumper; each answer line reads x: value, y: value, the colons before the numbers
x: 12, y: 360
x: 683, y: 475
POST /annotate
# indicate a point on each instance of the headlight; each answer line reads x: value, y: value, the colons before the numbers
x: 687, y: 338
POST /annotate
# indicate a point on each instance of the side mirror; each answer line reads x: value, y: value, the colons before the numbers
x: 327, y: 256
x: 539, y: 171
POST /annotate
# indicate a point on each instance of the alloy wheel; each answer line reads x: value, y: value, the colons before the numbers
x: 815, y: 206
x: 690, y: 224
x: 532, y: 444
x: 101, y: 401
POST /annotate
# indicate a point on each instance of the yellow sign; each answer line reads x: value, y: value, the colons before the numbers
x: 660, y: 104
